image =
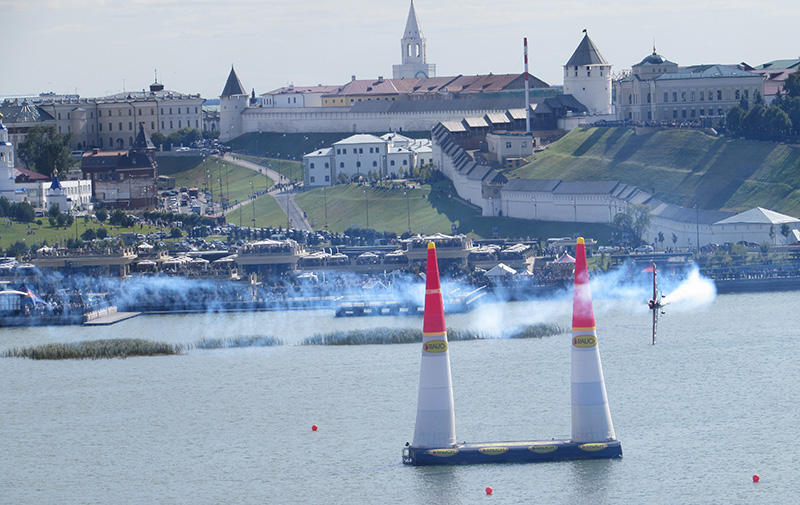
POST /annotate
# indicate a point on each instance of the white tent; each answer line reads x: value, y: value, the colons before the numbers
x: 501, y: 270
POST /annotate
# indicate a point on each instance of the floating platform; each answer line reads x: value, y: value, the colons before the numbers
x: 111, y: 318
x: 512, y: 452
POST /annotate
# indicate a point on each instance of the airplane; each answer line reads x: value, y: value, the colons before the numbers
x: 657, y: 303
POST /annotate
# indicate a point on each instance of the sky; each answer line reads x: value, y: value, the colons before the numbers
x: 100, y: 47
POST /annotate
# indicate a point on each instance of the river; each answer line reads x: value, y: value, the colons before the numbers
x: 711, y: 404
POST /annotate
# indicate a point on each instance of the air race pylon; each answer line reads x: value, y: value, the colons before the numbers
x: 591, y: 417
x: 435, y: 425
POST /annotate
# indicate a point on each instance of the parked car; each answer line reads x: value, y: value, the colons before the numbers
x: 644, y: 249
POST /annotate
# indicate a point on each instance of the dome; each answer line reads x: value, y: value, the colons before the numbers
x: 655, y: 59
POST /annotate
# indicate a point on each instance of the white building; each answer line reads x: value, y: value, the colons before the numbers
x: 414, y: 59
x: 365, y: 155
x: 657, y: 89
x: 587, y: 77
x: 293, y: 97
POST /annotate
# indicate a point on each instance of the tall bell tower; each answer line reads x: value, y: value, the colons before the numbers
x: 412, y: 46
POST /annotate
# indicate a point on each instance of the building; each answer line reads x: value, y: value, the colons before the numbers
x: 413, y: 52
x: 365, y: 156
x: 109, y: 122
x: 21, y: 185
x: 291, y: 96
x: 123, y: 179
x: 587, y: 77
x: 775, y: 74
x: 657, y: 89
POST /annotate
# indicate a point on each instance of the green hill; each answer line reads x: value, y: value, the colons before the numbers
x: 680, y: 166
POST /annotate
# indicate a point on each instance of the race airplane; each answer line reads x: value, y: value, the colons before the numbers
x: 657, y: 303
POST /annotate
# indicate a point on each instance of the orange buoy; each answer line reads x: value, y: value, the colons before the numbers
x: 489, y: 490
x: 756, y: 478
x: 314, y: 427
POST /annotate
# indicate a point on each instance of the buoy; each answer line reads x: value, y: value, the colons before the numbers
x: 314, y: 427
x: 489, y: 489
x: 756, y: 478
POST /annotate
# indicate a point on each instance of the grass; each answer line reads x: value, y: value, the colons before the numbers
x: 95, y: 349
x: 233, y: 181
x: 683, y: 167
x: 408, y: 336
x: 432, y: 209
x: 227, y: 343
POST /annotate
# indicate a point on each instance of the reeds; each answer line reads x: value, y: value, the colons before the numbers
x: 409, y: 336
x: 95, y: 349
x: 249, y: 341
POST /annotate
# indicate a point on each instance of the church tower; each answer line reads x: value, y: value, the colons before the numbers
x: 232, y: 103
x: 6, y: 163
x: 412, y: 46
x: 587, y: 77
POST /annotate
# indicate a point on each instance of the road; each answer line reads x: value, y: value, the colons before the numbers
x: 285, y: 197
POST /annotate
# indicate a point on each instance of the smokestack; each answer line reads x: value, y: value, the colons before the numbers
x: 591, y: 417
x: 527, y: 90
x: 435, y: 425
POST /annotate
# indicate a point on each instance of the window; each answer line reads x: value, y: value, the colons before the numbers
x: 666, y: 97
x: 747, y: 94
x: 162, y: 124
x: 170, y: 125
x: 702, y: 112
x: 327, y: 165
x: 508, y: 145
x: 358, y: 164
x: 152, y: 112
x: 692, y: 96
x: 630, y: 99
x: 312, y: 178
x: 683, y: 113
x: 338, y: 151
x: 692, y: 113
x: 110, y: 126
x: 130, y: 112
x: 360, y: 150
x: 374, y: 163
x: 327, y: 178
x: 648, y: 98
x: 719, y: 111
x: 59, y: 115
x: 674, y: 113
x: 170, y: 110
x: 391, y: 163
x: 674, y: 96
x: 99, y: 126
x: 130, y: 125
x: 341, y: 165
x: 719, y: 95
x: 152, y: 125
x: 310, y: 165
x: 649, y: 115
x: 179, y: 123
x: 405, y: 162
x: 120, y: 126
x: 683, y: 96
x: 736, y: 94
x: 140, y: 112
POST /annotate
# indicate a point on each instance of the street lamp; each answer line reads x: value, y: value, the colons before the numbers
x: 325, y: 198
x: 534, y: 208
x: 252, y: 190
x: 697, y: 225
x: 575, y: 206
x: 408, y: 208
x: 366, y: 197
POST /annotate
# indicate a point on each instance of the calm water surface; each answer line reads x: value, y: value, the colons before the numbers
x: 714, y: 402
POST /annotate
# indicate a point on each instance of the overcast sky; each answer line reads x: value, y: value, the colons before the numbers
x: 100, y: 47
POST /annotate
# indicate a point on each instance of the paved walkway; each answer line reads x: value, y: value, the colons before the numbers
x: 285, y: 198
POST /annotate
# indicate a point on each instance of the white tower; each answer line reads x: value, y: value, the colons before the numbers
x: 587, y: 77
x: 232, y: 103
x: 412, y: 45
x: 6, y: 163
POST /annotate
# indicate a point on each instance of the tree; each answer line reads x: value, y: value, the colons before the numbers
x: 674, y: 240
x: 158, y: 139
x: 17, y: 249
x: 785, y: 231
x: 89, y: 235
x: 46, y: 151
x: 791, y: 86
x: 776, y: 122
x: 634, y: 220
x: 101, y: 215
x: 733, y: 120
x: 102, y: 233
x: 23, y: 212
x: 175, y: 233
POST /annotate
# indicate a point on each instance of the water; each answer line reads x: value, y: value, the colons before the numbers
x: 711, y: 404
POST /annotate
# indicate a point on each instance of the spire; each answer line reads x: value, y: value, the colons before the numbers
x: 233, y: 86
x: 586, y: 54
x: 435, y: 425
x: 412, y: 25
x: 591, y: 417
x: 142, y: 140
